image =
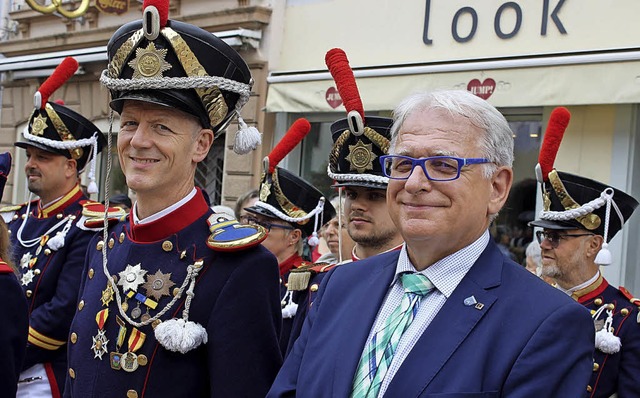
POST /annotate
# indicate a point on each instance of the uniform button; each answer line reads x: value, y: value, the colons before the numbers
x: 624, y: 312
x: 314, y: 287
x: 593, y: 312
x: 80, y: 305
x: 100, y: 245
x: 72, y: 373
x: 167, y: 246
x: 91, y: 272
x: 176, y: 290
x: 24, y: 216
x: 132, y: 394
x: 59, y: 216
x: 612, y: 306
x: 15, y: 216
x: 121, y: 237
x: 111, y: 243
x: 597, y: 301
x: 589, y: 388
x: 596, y: 366
x: 74, y: 337
x: 47, y: 252
x: 36, y: 271
x: 28, y: 293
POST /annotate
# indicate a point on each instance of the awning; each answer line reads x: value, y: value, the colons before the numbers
x: 33, y: 62
x: 610, y: 78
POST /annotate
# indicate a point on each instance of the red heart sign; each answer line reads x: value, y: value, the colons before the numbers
x: 482, y: 90
x: 333, y: 98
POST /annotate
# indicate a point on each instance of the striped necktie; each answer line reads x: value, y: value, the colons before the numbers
x: 378, y: 354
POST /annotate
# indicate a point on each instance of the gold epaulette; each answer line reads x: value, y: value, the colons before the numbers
x: 300, y: 277
x: 8, y: 209
x: 93, y: 214
x: 228, y: 235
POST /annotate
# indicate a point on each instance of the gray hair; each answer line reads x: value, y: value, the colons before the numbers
x: 495, y: 145
x: 535, y: 253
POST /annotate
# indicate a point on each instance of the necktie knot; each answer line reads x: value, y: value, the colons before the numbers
x: 416, y: 283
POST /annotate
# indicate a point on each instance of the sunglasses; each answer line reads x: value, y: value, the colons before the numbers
x: 263, y: 224
x: 554, y: 237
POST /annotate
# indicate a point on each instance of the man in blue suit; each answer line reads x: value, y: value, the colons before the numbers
x: 448, y: 315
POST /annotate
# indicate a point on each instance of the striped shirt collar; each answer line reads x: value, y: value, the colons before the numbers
x: 446, y: 273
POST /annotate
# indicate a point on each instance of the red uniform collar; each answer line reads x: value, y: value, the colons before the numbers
x: 61, y: 204
x: 172, y: 223
x: 592, y: 291
x: 292, y: 262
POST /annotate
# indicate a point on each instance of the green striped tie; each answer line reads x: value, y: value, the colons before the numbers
x: 377, y: 356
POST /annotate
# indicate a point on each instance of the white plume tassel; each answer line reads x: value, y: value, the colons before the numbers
x: 247, y: 138
x: 57, y: 242
x: 183, y: 335
x: 291, y: 308
x: 606, y: 341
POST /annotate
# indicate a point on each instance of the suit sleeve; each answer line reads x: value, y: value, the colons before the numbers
x: 243, y: 349
x: 49, y: 323
x: 561, y: 349
x: 285, y: 384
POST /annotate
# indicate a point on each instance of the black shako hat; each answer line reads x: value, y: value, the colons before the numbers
x: 574, y: 202
x: 284, y: 195
x: 182, y: 66
x: 358, y: 140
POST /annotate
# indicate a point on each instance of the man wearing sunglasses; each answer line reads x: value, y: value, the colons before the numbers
x: 448, y: 314
x: 580, y: 216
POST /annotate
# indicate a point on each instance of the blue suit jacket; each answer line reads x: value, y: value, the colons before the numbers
x: 528, y: 340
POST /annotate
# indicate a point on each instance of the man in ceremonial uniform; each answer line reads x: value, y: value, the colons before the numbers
x: 580, y: 217
x: 176, y: 301
x: 445, y: 315
x: 291, y: 210
x: 354, y: 166
x: 48, y: 238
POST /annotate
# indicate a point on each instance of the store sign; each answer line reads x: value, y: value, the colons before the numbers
x: 549, y: 17
x: 333, y: 97
x: 482, y: 89
x: 113, y: 6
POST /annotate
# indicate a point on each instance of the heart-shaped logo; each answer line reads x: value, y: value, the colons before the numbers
x: 333, y: 97
x: 482, y: 90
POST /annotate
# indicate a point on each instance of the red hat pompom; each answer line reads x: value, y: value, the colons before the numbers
x: 163, y: 9
x: 558, y: 122
x: 63, y: 72
x: 298, y: 130
x: 338, y: 65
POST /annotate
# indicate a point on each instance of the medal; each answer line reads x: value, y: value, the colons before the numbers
x: 131, y: 277
x: 136, y: 312
x: 129, y: 360
x: 158, y: 285
x: 27, y: 278
x: 107, y: 295
x: 100, y: 341
x: 141, y: 299
x: 24, y: 261
x: 115, y: 358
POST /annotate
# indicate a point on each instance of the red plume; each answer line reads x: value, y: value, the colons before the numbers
x: 59, y: 102
x: 338, y: 65
x: 63, y: 72
x: 163, y: 9
x: 298, y: 130
x: 558, y: 122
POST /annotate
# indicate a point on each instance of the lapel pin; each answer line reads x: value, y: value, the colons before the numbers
x: 469, y: 301
x: 479, y: 306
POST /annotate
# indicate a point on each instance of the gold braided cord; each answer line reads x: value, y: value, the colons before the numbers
x: 211, y: 97
x: 589, y: 221
x: 289, y: 208
x: 118, y: 60
x: 378, y: 139
x: 63, y: 131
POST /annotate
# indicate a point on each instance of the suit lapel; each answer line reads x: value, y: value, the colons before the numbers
x: 450, y: 327
x: 358, y: 320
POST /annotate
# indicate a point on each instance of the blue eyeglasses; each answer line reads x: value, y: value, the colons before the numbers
x: 436, y: 168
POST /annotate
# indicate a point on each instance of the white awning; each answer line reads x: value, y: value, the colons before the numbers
x: 607, y: 78
x: 234, y: 38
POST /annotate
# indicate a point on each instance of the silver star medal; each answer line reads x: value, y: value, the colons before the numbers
x: 99, y: 345
x: 24, y: 261
x: 27, y: 277
x: 131, y: 277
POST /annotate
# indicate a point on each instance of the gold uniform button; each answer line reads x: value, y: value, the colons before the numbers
x: 593, y: 312
x: 47, y: 252
x: 142, y: 360
x: 36, y: 271
x: 91, y: 272
x: 80, y: 305
x: 15, y: 216
x: 121, y: 237
x: 24, y: 216
x: 100, y: 245
x: 74, y: 337
x: 72, y: 373
x: 624, y: 312
x: 28, y: 293
x: 596, y: 366
x: 132, y: 394
x: 314, y: 287
x: 167, y: 246
x: 589, y: 388
x: 59, y: 216
x: 176, y: 290
x: 111, y: 243
x: 612, y: 306
x: 597, y: 301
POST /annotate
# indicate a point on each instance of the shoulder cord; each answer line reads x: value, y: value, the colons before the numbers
x: 34, y: 241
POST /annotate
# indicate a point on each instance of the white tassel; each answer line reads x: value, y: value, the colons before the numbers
x: 181, y: 336
x: 93, y: 187
x: 607, y: 342
x: 604, y: 255
x: 247, y: 138
x: 289, y: 310
x: 313, y: 239
x: 57, y: 241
